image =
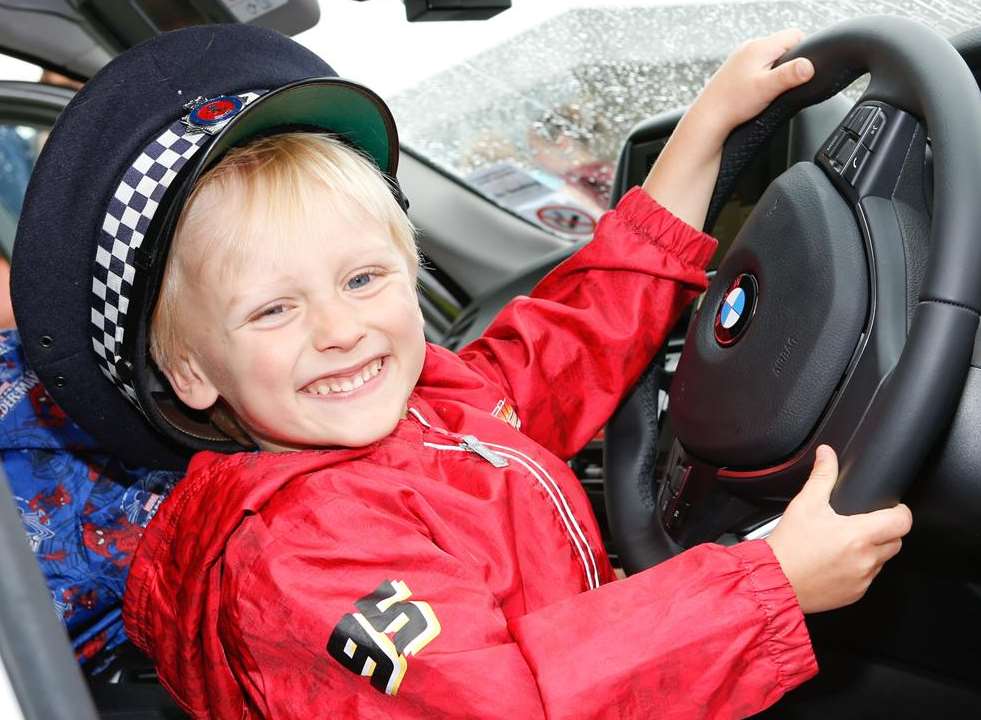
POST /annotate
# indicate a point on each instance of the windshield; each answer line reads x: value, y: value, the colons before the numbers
x: 531, y: 107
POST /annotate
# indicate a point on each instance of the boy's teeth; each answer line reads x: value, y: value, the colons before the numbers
x: 325, y: 387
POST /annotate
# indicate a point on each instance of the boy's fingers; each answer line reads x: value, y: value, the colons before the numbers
x: 822, y: 479
x: 885, y: 526
x: 785, y: 39
x: 793, y: 73
x: 780, y: 42
x: 888, y: 550
x: 803, y: 69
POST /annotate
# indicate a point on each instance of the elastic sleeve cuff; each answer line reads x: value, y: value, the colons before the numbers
x: 788, y: 641
x: 647, y: 218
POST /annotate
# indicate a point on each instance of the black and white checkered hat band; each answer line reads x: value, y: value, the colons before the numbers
x: 129, y: 215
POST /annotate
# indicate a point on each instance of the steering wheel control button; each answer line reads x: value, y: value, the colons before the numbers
x: 874, y: 131
x: 844, y: 152
x: 832, y: 146
x: 848, y: 150
x: 677, y: 517
x: 856, y: 123
x: 679, y: 477
x: 854, y: 166
x: 737, y: 309
x: 671, y: 503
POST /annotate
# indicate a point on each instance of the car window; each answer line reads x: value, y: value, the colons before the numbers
x: 531, y: 107
x: 19, y: 148
x: 14, y: 69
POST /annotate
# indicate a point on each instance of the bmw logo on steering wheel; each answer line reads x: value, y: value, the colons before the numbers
x: 737, y: 309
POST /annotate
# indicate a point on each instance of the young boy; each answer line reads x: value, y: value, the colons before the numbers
x: 390, y: 544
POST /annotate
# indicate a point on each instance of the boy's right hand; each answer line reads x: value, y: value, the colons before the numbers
x: 831, y: 559
x: 683, y: 178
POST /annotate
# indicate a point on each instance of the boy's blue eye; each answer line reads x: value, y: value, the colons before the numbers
x: 270, y: 311
x: 359, y: 281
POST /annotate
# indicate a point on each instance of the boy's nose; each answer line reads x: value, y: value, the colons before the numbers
x: 341, y: 329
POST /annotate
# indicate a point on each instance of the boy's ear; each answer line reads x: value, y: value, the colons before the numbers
x: 190, y: 383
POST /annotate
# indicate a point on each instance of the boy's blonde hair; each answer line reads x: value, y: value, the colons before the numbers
x: 278, y: 181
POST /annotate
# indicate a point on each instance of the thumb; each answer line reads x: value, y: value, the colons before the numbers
x: 791, y: 74
x: 824, y: 474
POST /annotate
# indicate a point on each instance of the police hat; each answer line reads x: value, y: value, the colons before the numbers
x: 106, y: 194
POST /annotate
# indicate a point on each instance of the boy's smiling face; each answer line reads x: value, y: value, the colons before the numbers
x: 313, y: 342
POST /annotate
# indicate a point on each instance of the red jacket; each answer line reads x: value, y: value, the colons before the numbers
x: 433, y: 575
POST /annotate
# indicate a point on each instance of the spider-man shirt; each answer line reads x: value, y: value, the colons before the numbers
x: 83, y: 510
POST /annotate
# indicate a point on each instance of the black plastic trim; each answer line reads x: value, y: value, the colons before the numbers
x: 923, y: 390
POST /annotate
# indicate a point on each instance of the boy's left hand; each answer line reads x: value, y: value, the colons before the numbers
x: 747, y: 82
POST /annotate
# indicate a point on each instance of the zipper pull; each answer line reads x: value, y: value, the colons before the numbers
x: 469, y: 442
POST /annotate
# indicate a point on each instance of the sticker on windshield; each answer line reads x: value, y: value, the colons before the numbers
x: 536, y: 197
x: 567, y: 219
x: 248, y: 10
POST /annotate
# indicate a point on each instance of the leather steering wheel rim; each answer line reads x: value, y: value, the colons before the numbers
x: 904, y: 59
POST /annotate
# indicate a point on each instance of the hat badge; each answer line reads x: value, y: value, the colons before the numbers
x: 209, y: 115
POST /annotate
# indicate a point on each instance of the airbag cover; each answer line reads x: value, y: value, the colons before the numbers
x: 752, y: 403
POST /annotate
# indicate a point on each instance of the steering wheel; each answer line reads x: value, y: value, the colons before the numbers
x: 843, y: 313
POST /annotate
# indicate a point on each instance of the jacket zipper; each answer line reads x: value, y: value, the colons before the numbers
x: 475, y: 446
x: 498, y: 461
x: 471, y: 444
x: 498, y: 457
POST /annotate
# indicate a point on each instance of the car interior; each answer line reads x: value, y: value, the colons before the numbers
x: 882, y: 364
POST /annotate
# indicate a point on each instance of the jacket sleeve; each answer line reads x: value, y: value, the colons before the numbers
x: 567, y: 354
x: 363, y: 615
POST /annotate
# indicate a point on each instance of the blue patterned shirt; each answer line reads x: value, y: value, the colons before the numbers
x: 82, y: 509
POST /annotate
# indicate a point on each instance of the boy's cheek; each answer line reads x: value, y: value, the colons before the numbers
x: 409, y: 306
x: 265, y: 366
x: 403, y: 305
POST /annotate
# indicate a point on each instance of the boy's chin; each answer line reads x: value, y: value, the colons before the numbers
x: 358, y: 433
x: 363, y: 436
